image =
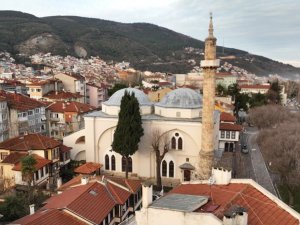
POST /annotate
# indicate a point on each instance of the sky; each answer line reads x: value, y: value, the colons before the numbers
x: 269, y: 28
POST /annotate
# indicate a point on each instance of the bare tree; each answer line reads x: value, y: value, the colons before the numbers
x: 268, y: 116
x: 161, y: 145
x: 281, y: 150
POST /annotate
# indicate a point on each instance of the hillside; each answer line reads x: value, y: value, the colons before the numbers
x: 145, y: 46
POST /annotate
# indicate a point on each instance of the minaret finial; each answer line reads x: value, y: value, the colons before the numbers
x: 211, y: 27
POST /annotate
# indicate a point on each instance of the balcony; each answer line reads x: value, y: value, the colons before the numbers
x: 54, y: 119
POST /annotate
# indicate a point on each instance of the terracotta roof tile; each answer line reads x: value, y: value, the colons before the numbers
x: 40, y: 162
x: 88, y: 168
x: 14, y: 157
x: 29, y: 142
x: 20, y: 102
x: 261, y: 209
x: 64, y: 148
x: 61, y: 95
x: 49, y: 217
x: 76, y: 107
x: 230, y: 127
x: 227, y: 117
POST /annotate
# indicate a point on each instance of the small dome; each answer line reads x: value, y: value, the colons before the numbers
x: 115, y: 99
x: 181, y: 98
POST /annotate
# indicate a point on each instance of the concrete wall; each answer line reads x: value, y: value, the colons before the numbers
x: 152, y: 216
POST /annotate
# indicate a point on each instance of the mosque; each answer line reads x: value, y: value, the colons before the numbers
x: 184, y: 118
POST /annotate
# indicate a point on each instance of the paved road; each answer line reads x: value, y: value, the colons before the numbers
x: 260, y: 172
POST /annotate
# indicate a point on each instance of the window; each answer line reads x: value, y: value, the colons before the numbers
x: 177, y: 142
x: 46, y: 154
x: 222, y: 134
x: 113, y: 163
x: 3, y: 155
x: 173, y: 143
x: 180, y: 143
x: 30, y: 112
x: 36, y: 175
x: 129, y: 164
x: 38, y: 90
x: 47, y: 169
x: 232, y: 134
x: 171, y: 169
x: 37, y: 110
x: 124, y: 164
x: 227, y: 134
x: 106, y: 162
x: 164, y: 168
x: 42, y: 172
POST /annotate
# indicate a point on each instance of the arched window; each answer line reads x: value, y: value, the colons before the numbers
x: 106, y: 162
x: 179, y: 143
x: 173, y: 143
x: 123, y: 164
x: 164, y: 168
x: 113, y: 163
x: 129, y: 164
x: 171, y: 169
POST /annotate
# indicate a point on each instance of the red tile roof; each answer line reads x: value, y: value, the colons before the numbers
x: 40, y: 162
x: 60, y: 95
x: 29, y: 142
x: 88, y: 168
x: 225, y: 74
x: 49, y: 217
x: 254, y: 86
x: 230, y: 127
x: 119, y: 194
x: 261, y: 209
x: 20, y: 102
x: 64, y: 148
x: 227, y: 117
x: 14, y: 157
x: 78, y: 200
x: 71, y: 106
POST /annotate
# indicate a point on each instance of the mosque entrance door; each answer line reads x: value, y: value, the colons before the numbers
x: 186, y: 175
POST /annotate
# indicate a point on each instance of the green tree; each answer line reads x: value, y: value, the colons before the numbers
x: 233, y: 91
x: 129, y: 128
x: 257, y: 100
x: 273, y: 95
x: 13, y: 208
x: 28, y: 169
x: 221, y: 90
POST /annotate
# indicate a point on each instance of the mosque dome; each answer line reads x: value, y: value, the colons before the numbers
x: 184, y: 98
x: 115, y: 99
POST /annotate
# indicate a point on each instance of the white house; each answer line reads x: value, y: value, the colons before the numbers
x: 178, y: 117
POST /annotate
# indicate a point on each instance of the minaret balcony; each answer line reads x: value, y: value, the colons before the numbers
x: 210, y: 63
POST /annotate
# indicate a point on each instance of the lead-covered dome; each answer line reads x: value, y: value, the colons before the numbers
x: 181, y: 98
x: 116, y: 98
x: 112, y: 105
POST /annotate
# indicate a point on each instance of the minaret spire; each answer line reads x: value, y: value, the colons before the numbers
x: 209, y: 66
x: 211, y: 26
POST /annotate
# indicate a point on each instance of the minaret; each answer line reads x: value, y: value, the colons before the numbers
x: 209, y: 66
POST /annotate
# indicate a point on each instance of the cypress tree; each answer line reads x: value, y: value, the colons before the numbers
x: 129, y: 128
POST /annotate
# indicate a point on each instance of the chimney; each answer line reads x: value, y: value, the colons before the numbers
x: 84, y: 180
x: 221, y: 176
x: 147, y: 195
x: 235, y: 215
x: 31, y: 209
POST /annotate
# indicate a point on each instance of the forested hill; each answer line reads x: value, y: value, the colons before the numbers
x: 145, y: 46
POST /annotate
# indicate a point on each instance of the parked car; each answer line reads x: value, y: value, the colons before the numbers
x: 245, y: 150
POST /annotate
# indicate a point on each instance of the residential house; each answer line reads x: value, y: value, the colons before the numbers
x: 229, y: 132
x: 25, y: 115
x: 37, y: 88
x: 225, y: 79
x: 255, y: 88
x: 224, y: 201
x: 3, y: 119
x: 46, y: 150
x: 13, y: 86
x: 73, y: 83
x: 96, y: 94
x: 66, y: 117
x: 93, y: 200
x: 54, y: 96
